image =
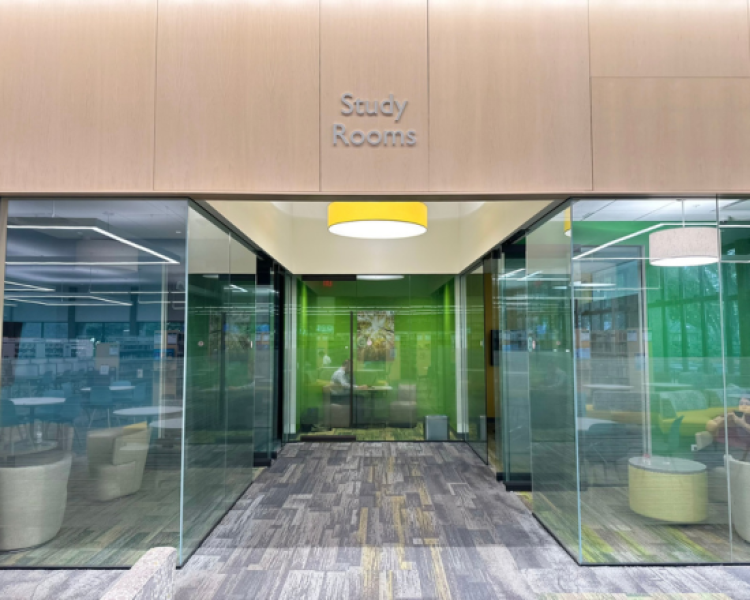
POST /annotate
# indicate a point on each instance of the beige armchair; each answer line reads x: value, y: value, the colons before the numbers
x: 117, y: 458
x: 33, y: 496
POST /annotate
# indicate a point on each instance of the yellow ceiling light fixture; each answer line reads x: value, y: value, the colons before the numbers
x: 377, y: 220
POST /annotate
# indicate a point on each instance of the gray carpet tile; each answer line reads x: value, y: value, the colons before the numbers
x: 391, y: 520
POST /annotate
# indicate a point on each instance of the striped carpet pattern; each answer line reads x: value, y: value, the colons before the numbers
x: 389, y: 521
x: 407, y: 521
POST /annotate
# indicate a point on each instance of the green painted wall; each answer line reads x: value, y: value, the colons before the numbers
x: 424, y: 326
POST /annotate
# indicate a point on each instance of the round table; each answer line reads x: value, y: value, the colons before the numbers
x: 668, y: 489
x: 371, y: 390
x: 173, y: 423
x: 147, y: 411
x: 113, y: 388
x: 32, y: 403
x: 609, y: 387
x: 585, y: 423
x: 671, y: 386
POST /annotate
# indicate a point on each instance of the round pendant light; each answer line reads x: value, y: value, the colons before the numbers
x: 377, y: 220
x: 684, y: 247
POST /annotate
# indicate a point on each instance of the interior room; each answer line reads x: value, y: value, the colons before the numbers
x: 398, y: 334
x: 639, y: 434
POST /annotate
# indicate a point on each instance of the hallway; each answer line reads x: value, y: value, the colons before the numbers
x: 405, y: 520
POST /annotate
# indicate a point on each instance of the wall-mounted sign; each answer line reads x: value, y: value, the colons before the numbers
x: 357, y: 107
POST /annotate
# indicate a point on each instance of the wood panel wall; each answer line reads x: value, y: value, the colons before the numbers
x: 199, y: 96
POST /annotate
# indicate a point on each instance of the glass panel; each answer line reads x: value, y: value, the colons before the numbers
x: 91, y: 405
x: 551, y: 377
x: 649, y: 383
x: 290, y: 358
x: 474, y: 368
x: 515, y: 348
x: 266, y: 363
x: 403, y: 351
x: 732, y: 436
x: 209, y: 295
x: 240, y: 370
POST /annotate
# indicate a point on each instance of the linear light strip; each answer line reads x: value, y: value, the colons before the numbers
x: 45, y: 296
x: 636, y: 234
x: 57, y: 304
x: 135, y: 292
x: 81, y: 263
x: 35, y: 288
x: 98, y: 230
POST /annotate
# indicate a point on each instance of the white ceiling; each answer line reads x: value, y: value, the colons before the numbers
x: 663, y: 209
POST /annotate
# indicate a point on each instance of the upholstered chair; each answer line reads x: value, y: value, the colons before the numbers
x: 117, y: 459
x: 33, y: 497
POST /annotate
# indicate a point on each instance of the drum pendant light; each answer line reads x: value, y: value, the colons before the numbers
x: 684, y: 246
x: 377, y: 220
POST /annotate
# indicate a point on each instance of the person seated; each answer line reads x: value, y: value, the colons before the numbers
x: 324, y: 359
x: 737, y: 431
x: 341, y: 380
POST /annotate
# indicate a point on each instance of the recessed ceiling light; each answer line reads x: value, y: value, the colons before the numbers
x: 379, y: 277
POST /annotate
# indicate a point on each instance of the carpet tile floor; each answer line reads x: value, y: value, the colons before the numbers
x: 390, y: 520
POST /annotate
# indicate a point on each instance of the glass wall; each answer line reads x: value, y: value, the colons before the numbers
x: 124, y: 425
x: 631, y: 312
x: 92, y: 381
x: 551, y: 381
x: 375, y: 357
x: 510, y: 302
x: 474, y: 360
x: 221, y: 376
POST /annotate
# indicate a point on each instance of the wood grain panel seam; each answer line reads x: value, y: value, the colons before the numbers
x: 320, y: 97
x: 429, y: 95
x: 747, y: 13
x: 670, y: 76
x: 591, y: 99
x: 156, y: 89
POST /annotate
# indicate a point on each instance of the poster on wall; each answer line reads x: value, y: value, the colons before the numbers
x: 375, y: 336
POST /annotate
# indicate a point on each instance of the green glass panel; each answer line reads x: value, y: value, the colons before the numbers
x: 649, y: 383
x: 552, y: 406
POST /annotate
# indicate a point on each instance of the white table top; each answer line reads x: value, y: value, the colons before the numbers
x: 147, y: 411
x: 174, y: 423
x: 585, y: 423
x: 113, y: 388
x: 674, y: 386
x: 664, y: 464
x: 41, y: 401
x: 608, y: 386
